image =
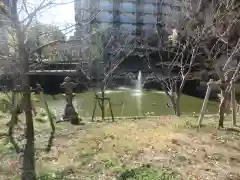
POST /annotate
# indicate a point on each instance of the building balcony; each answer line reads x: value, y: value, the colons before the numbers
x: 126, y: 18
x: 147, y: 6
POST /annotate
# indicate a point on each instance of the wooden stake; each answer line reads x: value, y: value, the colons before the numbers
x: 49, y: 114
x: 122, y: 108
x: 234, y: 123
x: 110, y: 106
x: 205, y: 103
x: 94, y: 109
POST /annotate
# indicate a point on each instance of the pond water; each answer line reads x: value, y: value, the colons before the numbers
x: 126, y: 102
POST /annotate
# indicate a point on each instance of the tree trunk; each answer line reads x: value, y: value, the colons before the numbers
x: 28, y: 172
x: 173, y: 104
x: 178, y: 96
x: 28, y: 167
x: 178, y: 112
x: 221, y: 112
x: 225, y: 96
x: 222, y: 106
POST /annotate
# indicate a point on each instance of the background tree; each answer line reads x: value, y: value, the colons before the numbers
x: 207, y: 36
x: 177, y: 56
x: 40, y: 34
x: 221, y: 42
x: 107, y: 51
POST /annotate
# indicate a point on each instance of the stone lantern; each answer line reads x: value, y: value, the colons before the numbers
x: 70, y: 113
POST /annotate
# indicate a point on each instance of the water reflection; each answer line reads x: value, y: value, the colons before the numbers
x: 130, y: 102
x: 124, y: 88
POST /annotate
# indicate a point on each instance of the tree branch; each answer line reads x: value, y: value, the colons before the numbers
x: 52, y: 43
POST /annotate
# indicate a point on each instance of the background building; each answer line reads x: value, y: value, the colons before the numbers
x: 139, y: 16
x: 136, y: 16
x: 3, y: 28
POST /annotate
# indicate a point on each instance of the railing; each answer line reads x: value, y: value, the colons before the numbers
x: 60, y: 67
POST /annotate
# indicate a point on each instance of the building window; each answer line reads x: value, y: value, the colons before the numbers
x: 149, y: 19
x: 73, y: 53
x: 104, y: 17
x: 127, y: 18
x: 149, y: 8
x: 127, y: 7
x: 106, y: 6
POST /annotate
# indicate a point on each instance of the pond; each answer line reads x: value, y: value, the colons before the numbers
x: 127, y: 102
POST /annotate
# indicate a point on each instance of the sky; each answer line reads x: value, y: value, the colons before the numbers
x: 60, y: 15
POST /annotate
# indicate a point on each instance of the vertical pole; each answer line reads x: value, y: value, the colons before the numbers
x: 103, y: 108
x: 110, y: 105
x: 14, y: 100
x: 48, y: 111
x: 40, y: 90
x: 205, y: 103
x: 122, y: 108
x: 233, y: 105
x: 94, y: 109
x: 103, y: 100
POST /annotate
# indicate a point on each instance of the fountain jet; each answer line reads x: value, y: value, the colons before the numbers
x: 139, y: 82
x: 138, y: 93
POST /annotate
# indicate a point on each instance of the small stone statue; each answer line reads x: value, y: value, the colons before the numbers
x: 18, y: 88
x: 69, y: 112
x: 68, y: 85
x: 38, y: 88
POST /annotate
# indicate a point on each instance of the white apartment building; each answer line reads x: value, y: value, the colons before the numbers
x: 131, y: 13
x: 126, y: 15
x: 4, y: 24
x: 3, y: 36
x: 3, y: 29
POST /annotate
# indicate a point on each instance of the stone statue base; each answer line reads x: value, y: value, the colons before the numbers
x: 71, y: 115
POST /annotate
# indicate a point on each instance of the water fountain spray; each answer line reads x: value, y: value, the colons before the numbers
x: 139, y: 82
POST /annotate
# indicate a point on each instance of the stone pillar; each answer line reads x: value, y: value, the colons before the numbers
x: 70, y: 113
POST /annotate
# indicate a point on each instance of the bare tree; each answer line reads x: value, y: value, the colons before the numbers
x: 208, y: 33
x: 177, y: 56
x: 183, y: 61
x: 22, y: 56
x: 221, y: 45
x: 108, y: 49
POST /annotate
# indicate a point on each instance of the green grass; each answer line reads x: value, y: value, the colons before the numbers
x: 53, y: 176
x: 5, y: 105
x: 148, y: 173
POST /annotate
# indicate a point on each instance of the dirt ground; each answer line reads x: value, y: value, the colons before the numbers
x: 100, y: 151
